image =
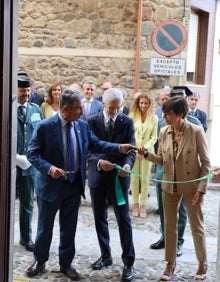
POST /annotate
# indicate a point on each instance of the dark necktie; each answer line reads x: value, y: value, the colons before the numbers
x: 22, y: 112
x: 192, y: 113
x: 110, y: 128
x: 70, y: 153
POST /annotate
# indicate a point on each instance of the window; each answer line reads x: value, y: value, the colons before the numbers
x: 197, y: 47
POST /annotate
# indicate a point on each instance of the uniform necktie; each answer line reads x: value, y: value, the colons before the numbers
x: 192, y: 113
x: 22, y: 111
x: 110, y: 128
x: 70, y: 153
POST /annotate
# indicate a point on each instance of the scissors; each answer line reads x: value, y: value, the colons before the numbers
x: 67, y: 172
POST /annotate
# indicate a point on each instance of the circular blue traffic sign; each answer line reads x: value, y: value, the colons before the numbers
x: 169, y: 37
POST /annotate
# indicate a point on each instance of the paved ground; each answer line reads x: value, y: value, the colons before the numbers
x: 149, y: 264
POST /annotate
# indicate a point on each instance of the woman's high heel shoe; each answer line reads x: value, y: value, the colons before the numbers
x: 201, y: 271
x: 168, y: 272
x: 135, y: 211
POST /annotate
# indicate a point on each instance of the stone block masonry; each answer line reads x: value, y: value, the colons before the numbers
x: 70, y: 41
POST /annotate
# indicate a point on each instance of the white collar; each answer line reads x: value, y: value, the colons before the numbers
x: 24, y: 105
x: 87, y: 101
x: 107, y: 118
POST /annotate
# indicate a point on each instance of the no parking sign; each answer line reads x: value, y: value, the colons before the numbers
x: 169, y: 37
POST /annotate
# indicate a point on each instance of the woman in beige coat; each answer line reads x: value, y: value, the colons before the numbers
x: 145, y: 126
x: 183, y: 152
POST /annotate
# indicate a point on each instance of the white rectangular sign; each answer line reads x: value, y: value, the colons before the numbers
x: 167, y: 66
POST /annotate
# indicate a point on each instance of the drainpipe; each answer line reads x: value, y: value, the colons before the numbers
x: 184, y: 23
x: 138, y: 46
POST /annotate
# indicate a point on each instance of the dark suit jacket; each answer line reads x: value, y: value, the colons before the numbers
x: 202, y: 116
x: 99, y: 98
x: 36, y: 98
x: 123, y: 132
x: 46, y: 149
x: 125, y: 110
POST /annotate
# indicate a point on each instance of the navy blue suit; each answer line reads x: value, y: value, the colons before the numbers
x: 125, y: 110
x: 202, y: 116
x: 102, y: 185
x: 46, y: 149
x: 96, y: 106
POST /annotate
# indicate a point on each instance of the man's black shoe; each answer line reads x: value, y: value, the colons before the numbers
x: 35, y: 269
x: 70, y: 272
x: 101, y: 262
x: 128, y: 273
x: 29, y: 246
x: 179, y: 250
x: 158, y: 245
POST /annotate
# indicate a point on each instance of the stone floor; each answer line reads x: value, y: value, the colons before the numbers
x: 149, y: 264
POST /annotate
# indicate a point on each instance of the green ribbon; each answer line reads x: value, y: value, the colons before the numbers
x: 118, y: 190
x: 118, y: 167
x: 208, y: 176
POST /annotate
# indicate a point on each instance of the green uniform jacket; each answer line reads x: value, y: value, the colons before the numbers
x: 25, y: 129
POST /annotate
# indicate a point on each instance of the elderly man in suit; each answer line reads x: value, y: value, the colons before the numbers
x: 193, y: 100
x: 90, y: 104
x: 114, y: 126
x: 59, y: 150
x: 28, y: 116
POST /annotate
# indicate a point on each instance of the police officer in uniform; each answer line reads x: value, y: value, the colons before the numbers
x: 28, y: 116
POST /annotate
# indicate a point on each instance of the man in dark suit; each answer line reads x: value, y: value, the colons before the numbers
x: 90, y: 104
x: 105, y: 86
x: 36, y: 97
x: 61, y: 181
x: 102, y: 178
x: 124, y: 108
x: 193, y: 100
x: 28, y: 116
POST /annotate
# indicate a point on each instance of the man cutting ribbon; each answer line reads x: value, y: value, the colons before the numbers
x: 103, y: 178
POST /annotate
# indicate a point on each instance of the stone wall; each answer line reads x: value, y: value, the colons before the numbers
x: 71, y: 40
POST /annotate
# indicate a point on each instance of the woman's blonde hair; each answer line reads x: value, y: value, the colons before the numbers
x: 135, y: 107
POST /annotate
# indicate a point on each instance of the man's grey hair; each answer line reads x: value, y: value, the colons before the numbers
x: 196, y: 94
x: 70, y: 96
x: 89, y: 81
x: 112, y: 94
